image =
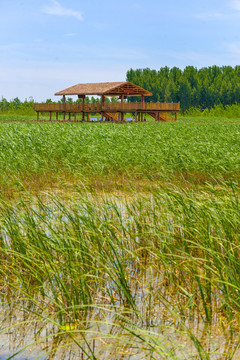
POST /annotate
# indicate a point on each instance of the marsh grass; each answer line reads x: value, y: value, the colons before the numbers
x: 151, y: 276
x: 35, y: 156
x: 120, y: 241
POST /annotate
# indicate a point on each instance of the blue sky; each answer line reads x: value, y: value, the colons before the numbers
x: 48, y: 45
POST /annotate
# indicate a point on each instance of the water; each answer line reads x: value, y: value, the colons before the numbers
x: 111, y: 330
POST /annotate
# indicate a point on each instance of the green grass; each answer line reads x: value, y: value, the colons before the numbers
x: 145, y: 275
x: 149, y: 272
x: 34, y: 153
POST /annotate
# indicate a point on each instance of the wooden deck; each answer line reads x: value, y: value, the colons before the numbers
x: 159, y: 111
x: 111, y: 107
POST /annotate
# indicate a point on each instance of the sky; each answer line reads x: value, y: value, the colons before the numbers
x: 49, y: 45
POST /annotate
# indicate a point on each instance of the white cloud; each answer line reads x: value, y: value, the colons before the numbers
x: 235, y: 4
x: 228, y: 15
x: 57, y: 9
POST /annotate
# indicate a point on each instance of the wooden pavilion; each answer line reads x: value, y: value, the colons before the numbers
x: 109, y: 111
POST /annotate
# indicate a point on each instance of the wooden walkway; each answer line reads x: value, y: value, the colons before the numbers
x: 111, y: 111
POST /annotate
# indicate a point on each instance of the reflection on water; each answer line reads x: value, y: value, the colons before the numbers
x: 107, y: 287
x: 102, y: 334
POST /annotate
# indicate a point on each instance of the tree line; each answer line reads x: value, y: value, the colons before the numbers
x: 202, y: 88
x: 26, y: 107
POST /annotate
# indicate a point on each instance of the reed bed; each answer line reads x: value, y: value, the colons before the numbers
x: 119, y: 241
x: 39, y: 156
x: 141, y: 277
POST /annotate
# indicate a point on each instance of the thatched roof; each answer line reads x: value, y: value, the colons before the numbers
x: 107, y: 89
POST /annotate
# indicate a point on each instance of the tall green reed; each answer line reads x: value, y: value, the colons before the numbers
x: 130, y: 267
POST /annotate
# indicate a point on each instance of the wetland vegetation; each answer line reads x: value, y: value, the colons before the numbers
x: 120, y: 241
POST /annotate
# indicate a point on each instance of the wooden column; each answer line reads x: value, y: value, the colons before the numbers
x: 50, y: 116
x: 64, y: 106
x: 103, y: 103
x: 83, y: 102
x: 75, y: 116
x: 142, y: 103
x: 57, y: 116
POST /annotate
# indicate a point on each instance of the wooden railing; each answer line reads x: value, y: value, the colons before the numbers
x: 107, y: 107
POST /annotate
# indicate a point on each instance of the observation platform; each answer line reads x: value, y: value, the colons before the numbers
x: 110, y: 111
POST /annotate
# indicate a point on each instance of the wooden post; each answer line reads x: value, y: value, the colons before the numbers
x: 57, y: 116
x: 50, y: 116
x: 83, y: 102
x: 135, y: 117
x: 64, y: 106
x: 75, y: 116
x: 102, y: 109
